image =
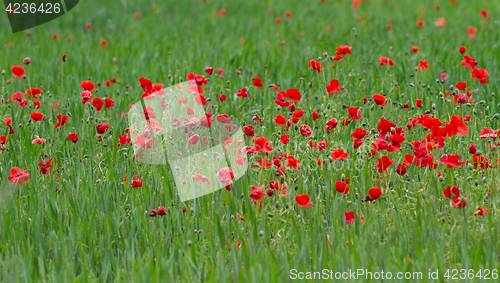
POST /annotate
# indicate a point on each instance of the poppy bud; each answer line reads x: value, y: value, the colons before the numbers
x: 270, y: 192
x: 152, y: 213
x: 27, y: 60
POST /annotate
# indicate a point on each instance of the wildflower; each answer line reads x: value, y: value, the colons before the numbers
x: 102, y: 128
x: 136, y: 183
x: 63, y: 119
x: 333, y: 87
x: 423, y: 64
x: 18, y: 72
x: 315, y: 65
x: 73, y: 137
x: 18, y: 176
x: 37, y: 140
x: 379, y: 99
x: 303, y: 200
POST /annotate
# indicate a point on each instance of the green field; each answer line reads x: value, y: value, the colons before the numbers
x: 82, y: 220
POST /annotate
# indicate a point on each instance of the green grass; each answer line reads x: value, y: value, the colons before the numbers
x: 97, y: 228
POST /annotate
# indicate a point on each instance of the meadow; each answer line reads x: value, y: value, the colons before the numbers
x: 370, y: 128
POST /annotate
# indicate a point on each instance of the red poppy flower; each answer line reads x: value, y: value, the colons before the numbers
x: 261, y: 144
x: 375, y: 193
x: 343, y: 50
x: 357, y: 143
x: 209, y: 70
x: 338, y: 57
x: 18, y: 72
x: 33, y: 92
x: 451, y: 190
x: 306, y: 131
x: 87, y: 85
x: 441, y: 22
x: 385, y: 60
x: 101, y: 128
x: 469, y: 62
x: 451, y: 160
x: 423, y: 64
x: 296, y: 115
x: 18, y: 176
x: 3, y: 142
x: 292, y: 162
x: 284, y: 139
x: 62, y: 120
x: 471, y: 31
x: 293, y: 94
x: 44, y: 166
x: 280, y: 120
x: 86, y: 96
x: 482, y: 211
x: 330, y: 125
x: 341, y: 187
x: 481, y: 74
x: 488, y: 133
x: 414, y: 49
x: 109, y: 102
x: 484, y: 14
x: 379, y: 99
x: 189, y: 111
x: 257, y: 193
x: 458, y: 203
x: 401, y: 169
x: 418, y: 103
x: 315, y: 115
x: 383, y: 163
x: 257, y: 82
x: 242, y: 93
x: 462, y: 50
x: 123, y: 140
x: 64, y: 58
x: 384, y: 126
x: 193, y: 138
x: 73, y: 137
x: 456, y: 125
x: 349, y: 218
x: 98, y: 103
x: 315, y: 65
x: 303, y: 200
x: 334, y: 87
x: 222, y: 97
x: 420, y: 23
x: 137, y: 183
x: 223, y: 118
x: 461, y: 85
x: 17, y: 96
x: 338, y: 154
x: 36, y: 116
